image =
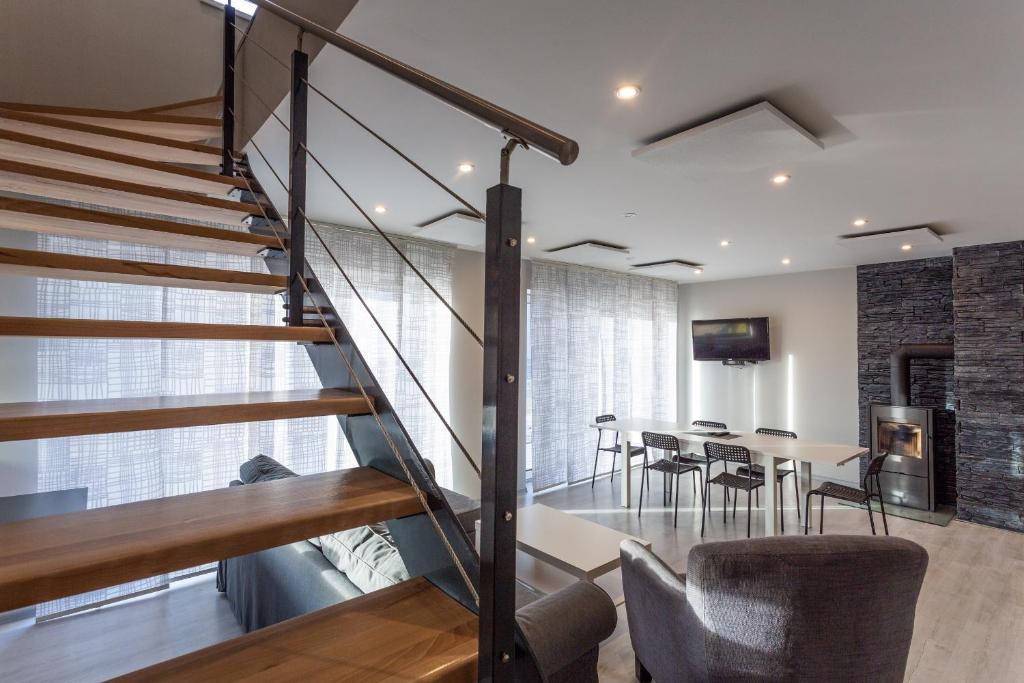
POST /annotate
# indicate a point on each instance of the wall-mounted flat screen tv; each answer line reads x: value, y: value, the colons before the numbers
x: 735, y: 339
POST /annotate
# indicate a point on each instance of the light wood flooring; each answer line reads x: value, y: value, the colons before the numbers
x: 970, y: 619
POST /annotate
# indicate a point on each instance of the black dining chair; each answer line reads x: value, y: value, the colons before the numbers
x: 871, y: 488
x: 614, y: 449
x: 693, y: 458
x: 781, y: 474
x: 671, y: 468
x: 726, y: 453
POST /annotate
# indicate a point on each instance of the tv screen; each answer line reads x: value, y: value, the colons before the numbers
x: 731, y: 340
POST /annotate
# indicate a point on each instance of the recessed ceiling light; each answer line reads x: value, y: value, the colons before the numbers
x: 531, y: 240
x: 725, y: 243
x: 380, y: 208
x: 629, y: 214
x: 466, y: 167
x: 698, y: 271
x: 780, y: 179
x: 786, y: 261
x: 907, y: 247
x: 627, y: 92
x: 860, y: 222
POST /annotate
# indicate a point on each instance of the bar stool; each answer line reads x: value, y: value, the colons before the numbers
x: 672, y: 467
x: 727, y: 452
x: 614, y: 450
x: 758, y: 471
x: 848, y: 493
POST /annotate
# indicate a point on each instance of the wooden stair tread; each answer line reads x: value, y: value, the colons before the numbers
x: 209, y: 106
x: 14, y: 326
x: 82, y: 158
x: 51, y: 419
x: 56, y: 183
x: 56, y: 219
x: 177, y: 127
x: 73, y: 267
x: 408, y: 632
x: 51, y: 557
x: 100, y: 137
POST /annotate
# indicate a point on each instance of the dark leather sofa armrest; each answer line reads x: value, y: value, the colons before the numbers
x: 563, y: 627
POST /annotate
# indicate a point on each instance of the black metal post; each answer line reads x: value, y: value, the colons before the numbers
x: 228, y: 122
x: 297, y: 189
x: 500, y: 434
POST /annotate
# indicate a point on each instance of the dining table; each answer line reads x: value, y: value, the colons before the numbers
x: 765, y: 450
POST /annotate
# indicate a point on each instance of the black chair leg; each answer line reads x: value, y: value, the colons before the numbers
x: 757, y: 493
x: 821, y: 517
x: 724, y: 507
x: 700, y: 480
x: 642, y: 674
x: 807, y: 511
x: 705, y: 504
x: 643, y: 475
x: 881, y: 506
x: 871, y: 518
x: 597, y: 457
x: 782, y: 511
x: 733, y: 505
x: 675, y: 514
x: 748, y: 512
x: 611, y: 477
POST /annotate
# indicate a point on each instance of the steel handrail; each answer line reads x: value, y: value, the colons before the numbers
x: 544, y: 140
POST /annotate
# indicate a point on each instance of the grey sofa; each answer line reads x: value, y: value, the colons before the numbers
x: 563, y: 630
x: 825, y: 608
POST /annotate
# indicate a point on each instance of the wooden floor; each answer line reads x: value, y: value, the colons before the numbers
x: 970, y: 619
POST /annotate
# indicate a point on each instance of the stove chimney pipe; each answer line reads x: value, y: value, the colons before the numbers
x: 899, y: 367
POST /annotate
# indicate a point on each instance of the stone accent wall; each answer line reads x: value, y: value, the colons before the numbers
x: 909, y: 302
x: 988, y: 287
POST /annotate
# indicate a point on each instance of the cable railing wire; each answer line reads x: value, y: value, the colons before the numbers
x: 252, y: 91
x: 249, y: 39
x: 391, y: 343
x: 380, y: 424
x: 252, y: 141
x: 394, y: 246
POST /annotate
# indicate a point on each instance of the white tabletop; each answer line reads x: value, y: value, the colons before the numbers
x: 759, y: 444
x: 577, y: 546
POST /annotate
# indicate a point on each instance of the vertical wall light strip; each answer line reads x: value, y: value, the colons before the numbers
x: 790, y: 397
x: 753, y: 399
x: 696, y: 408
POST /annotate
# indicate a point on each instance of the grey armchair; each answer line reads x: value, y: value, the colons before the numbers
x: 835, y: 608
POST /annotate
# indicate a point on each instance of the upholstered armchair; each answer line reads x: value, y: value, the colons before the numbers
x: 826, y: 608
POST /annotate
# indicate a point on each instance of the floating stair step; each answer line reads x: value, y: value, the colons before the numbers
x: 55, y: 219
x: 408, y: 632
x: 51, y: 557
x: 211, y: 106
x: 73, y: 267
x: 99, y: 137
x: 34, y: 149
x: 55, y: 183
x: 51, y: 419
x: 164, y: 125
x: 11, y: 326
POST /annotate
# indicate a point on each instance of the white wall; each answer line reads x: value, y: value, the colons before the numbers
x: 809, y: 386
x: 18, y: 459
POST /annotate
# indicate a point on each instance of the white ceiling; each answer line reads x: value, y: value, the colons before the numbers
x: 919, y: 104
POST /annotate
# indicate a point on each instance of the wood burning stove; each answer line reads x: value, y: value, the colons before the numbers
x: 908, y: 476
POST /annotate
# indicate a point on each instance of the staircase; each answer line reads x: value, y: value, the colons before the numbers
x: 145, y: 174
x: 169, y: 176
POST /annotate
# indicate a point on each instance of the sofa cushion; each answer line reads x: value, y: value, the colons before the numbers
x: 263, y: 468
x: 366, y: 557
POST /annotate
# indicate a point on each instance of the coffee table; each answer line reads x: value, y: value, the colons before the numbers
x: 576, y: 546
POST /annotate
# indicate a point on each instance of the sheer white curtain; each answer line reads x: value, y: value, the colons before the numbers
x: 600, y: 342
x: 122, y: 468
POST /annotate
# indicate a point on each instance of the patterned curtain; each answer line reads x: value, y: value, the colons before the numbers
x: 600, y: 342
x: 122, y: 468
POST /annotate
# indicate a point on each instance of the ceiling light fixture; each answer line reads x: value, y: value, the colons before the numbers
x: 786, y: 261
x: 531, y: 240
x: 627, y: 92
x: 725, y: 243
x: 907, y: 247
x: 860, y: 222
x: 629, y: 214
x: 380, y: 208
x: 466, y: 167
x: 780, y: 179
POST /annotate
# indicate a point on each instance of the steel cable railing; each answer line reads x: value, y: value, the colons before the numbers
x: 376, y: 321
x: 380, y: 424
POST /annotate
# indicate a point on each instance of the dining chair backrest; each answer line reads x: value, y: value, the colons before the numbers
x: 874, y: 470
x: 768, y: 431
x: 728, y: 452
x: 708, y: 424
x: 664, y: 442
x: 604, y: 418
